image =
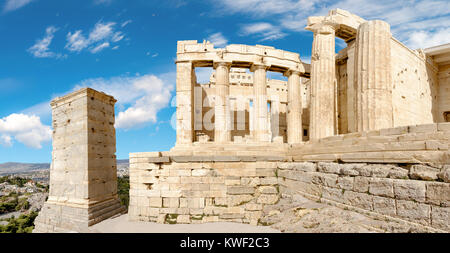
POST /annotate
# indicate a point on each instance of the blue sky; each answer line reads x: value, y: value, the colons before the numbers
x: 127, y: 49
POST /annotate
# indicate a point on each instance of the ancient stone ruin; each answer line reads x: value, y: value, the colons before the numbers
x: 366, y: 129
x: 83, y: 174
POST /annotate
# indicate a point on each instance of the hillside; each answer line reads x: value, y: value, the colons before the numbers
x: 24, y: 168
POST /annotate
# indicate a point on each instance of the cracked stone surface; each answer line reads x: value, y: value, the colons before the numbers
x: 306, y: 216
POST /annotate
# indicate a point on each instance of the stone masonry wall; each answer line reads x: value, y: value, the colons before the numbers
x: 200, y: 189
x: 416, y: 193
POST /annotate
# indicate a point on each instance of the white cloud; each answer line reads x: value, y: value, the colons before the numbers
x: 41, y: 48
x: 5, y: 140
x: 27, y: 129
x: 139, y: 98
x: 99, y: 47
x: 218, y: 39
x: 263, y: 30
x: 12, y: 5
x: 410, y: 19
x: 100, y: 37
x: 126, y: 23
x: 424, y: 39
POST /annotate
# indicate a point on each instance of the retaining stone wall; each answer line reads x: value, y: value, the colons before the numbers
x: 196, y: 192
x: 416, y: 193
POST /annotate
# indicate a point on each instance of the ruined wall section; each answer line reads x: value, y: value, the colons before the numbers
x: 415, y: 87
x: 415, y: 194
x: 198, y: 189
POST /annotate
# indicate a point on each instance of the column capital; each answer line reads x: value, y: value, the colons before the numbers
x: 226, y: 64
x: 256, y: 66
x: 324, y: 27
x: 289, y: 72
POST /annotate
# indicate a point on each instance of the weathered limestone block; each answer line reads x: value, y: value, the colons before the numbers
x: 268, y: 199
x: 440, y: 217
x: 384, y: 205
x: 328, y: 167
x: 238, y: 200
x: 356, y: 199
x: 438, y: 193
x: 423, y: 172
x: 414, y: 211
x: 345, y: 183
x: 375, y: 170
x: 254, y: 181
x: 409, y: 190
x: 398, y: 173
x: 155, y: 202
x: 171, y: 202
x: 240, y: 190
x: 381, y: 187
x: 350, y: 169
x: 328, y: 180
x: 267, y: 190
x: 301, y: 166
x: 333, y: 194
x: 361, y: 184
x: 444, y: 175
x: 253, y: 207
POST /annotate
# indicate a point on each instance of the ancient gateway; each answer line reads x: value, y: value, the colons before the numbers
x: 367, y: 129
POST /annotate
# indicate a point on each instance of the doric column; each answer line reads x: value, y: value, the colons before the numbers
x: 222, y: 127
x: 323, y: 78
x: 373, y: 74
x: 260, y: 123
x: 294, y: 107
x: 185, y: 98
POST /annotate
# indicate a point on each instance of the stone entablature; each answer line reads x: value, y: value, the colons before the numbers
x: 240, y: 56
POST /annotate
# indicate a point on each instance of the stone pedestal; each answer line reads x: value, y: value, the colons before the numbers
x: 294, y: 112
x: 260, y: 110
x: 222, y: 126
x: 323, y: 80
x: 83, y: 175
x: 373, y: 71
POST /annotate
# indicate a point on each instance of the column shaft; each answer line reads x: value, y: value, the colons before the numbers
x: 185, y: 97
x: 294, y: 112
x: 373, y: 74
x: 260, y: 123
x: 323, y: 78
x: 222, y: 127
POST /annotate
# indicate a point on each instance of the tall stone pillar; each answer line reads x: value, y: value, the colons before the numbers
x: 323, y: 78
x: 260, y: 123
x: 373, y: 74
x: 294, y: 108
x: 185, y: 98
x: 222, y: 126
x: 83, y: 175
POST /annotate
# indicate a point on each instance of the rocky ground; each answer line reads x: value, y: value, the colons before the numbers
x: 306, y: 216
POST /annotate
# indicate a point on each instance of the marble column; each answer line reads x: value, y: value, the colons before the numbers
x: 373, y: 74
x: 185, y: 98
x: 260, y: 119
x: 323, y: 78
x: 222, y: 126
x: 294, y: 107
